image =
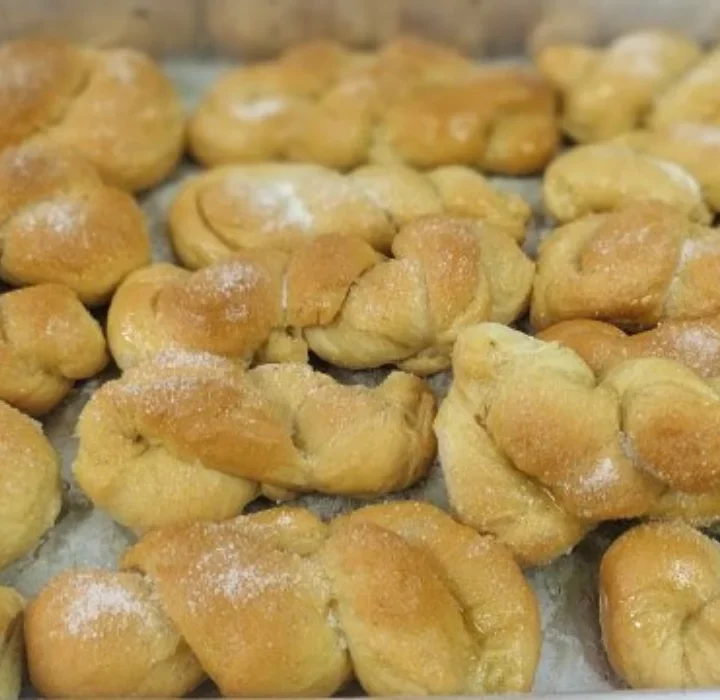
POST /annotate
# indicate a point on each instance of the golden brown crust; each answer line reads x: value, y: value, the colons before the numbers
x: 190, y: 437
x: 695, y: 343
x: 614, y: 90
x: 59, y: 223
x: 536, y: 449
x: 31, y: 486
x: 280, y: 604
x: 114, y: 107
x: 659, y: 612
x: 232, y: 209
x: 634, y: 267
x: 333, y: 295
x: 412, y: 102
x: 608, y: 176
x: 48, y: 340
x: 93, y: 633
x: 11, y: 643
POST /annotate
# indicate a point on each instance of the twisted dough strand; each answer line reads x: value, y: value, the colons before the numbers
x: 333, y: 295
x: 536, y: 449
x: 190, y: 437
x: 280, y: 604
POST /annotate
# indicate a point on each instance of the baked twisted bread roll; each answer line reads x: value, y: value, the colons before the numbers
x: 654, y: 76
x: 695, y: 343
x: 30, y: 478
x: 280, y: 604
x: 48, y: 341
x: 189, y: 437
x: 412, y: 102
x: 536, y: 449
x: 659, y: 594
x: 633, y: 267
x: 612, y: 175
x: 61, y: 224
x: 334, y: 295
x: 11, y: 643
x: 114, y: 107
x: 231, y: 209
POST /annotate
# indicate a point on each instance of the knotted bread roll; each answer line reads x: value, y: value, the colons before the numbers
x: 608, y: 176
x: 228, y: 210
x: 412, y: 102
x: 536, y: 449
x: 61, y: 224
x: 30, y: 486
x: 190, y: 437
x: 114, y: 107
x: 280, y: 604
x: 48, y: 341
x: 651, y: 76
x: 660, y: 607
x: 334, y: 295
x: 634, y: 268
x: 11, y: 643
x: 694, y: 343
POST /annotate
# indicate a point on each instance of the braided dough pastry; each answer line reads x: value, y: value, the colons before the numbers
x: 48, y: 340
x: 608, y: 176
x: 659, y: 600
x: 60, y: 223
x: 536, y: 449
x: 189, y: 437
x: 231, y: 209
x: 412, y: 102
x: 30, y: 477
x: 633, y: 267
x: 694, y: 343
x: 11, y: 643
x: 280, y: 604
x: 115, y: 108
x: 334, y: 295
x: 652, y: 76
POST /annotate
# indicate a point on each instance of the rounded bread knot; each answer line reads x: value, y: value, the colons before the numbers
x: 660, y: 607
x: 333, y: 295
x: 537, y: 449
x: 113, y: 107
x: 280, y: 604
x: 412, y: 102
x: 11, y: 643
x: 30, y: 496
x: 188, y: 437
x: 60, y: 223
x: 635, y: 268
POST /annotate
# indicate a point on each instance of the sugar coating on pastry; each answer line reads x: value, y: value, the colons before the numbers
x: 49, y: 341
x: 611, y: 175
x: 62, y: 224
x: 114, y: 107
x: 332, y: 294
x: 191, y: 437
x: 536, y: 448
x: 412, y: 102
x: 695, y: 343
x: 633, y: 267
x: 232, y: 209
x: 96, y: 633
x: 11, y: 643
x: 659, y: 594
x: 31, y: 487
x: 609, y: 91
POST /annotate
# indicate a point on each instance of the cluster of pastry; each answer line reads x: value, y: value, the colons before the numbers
x: 409, y: 258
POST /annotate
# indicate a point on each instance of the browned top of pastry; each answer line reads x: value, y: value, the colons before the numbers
x: 411, y: 102
x: 115, y: 107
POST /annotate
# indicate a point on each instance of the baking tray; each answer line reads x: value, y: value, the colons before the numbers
x: 572, y: 658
